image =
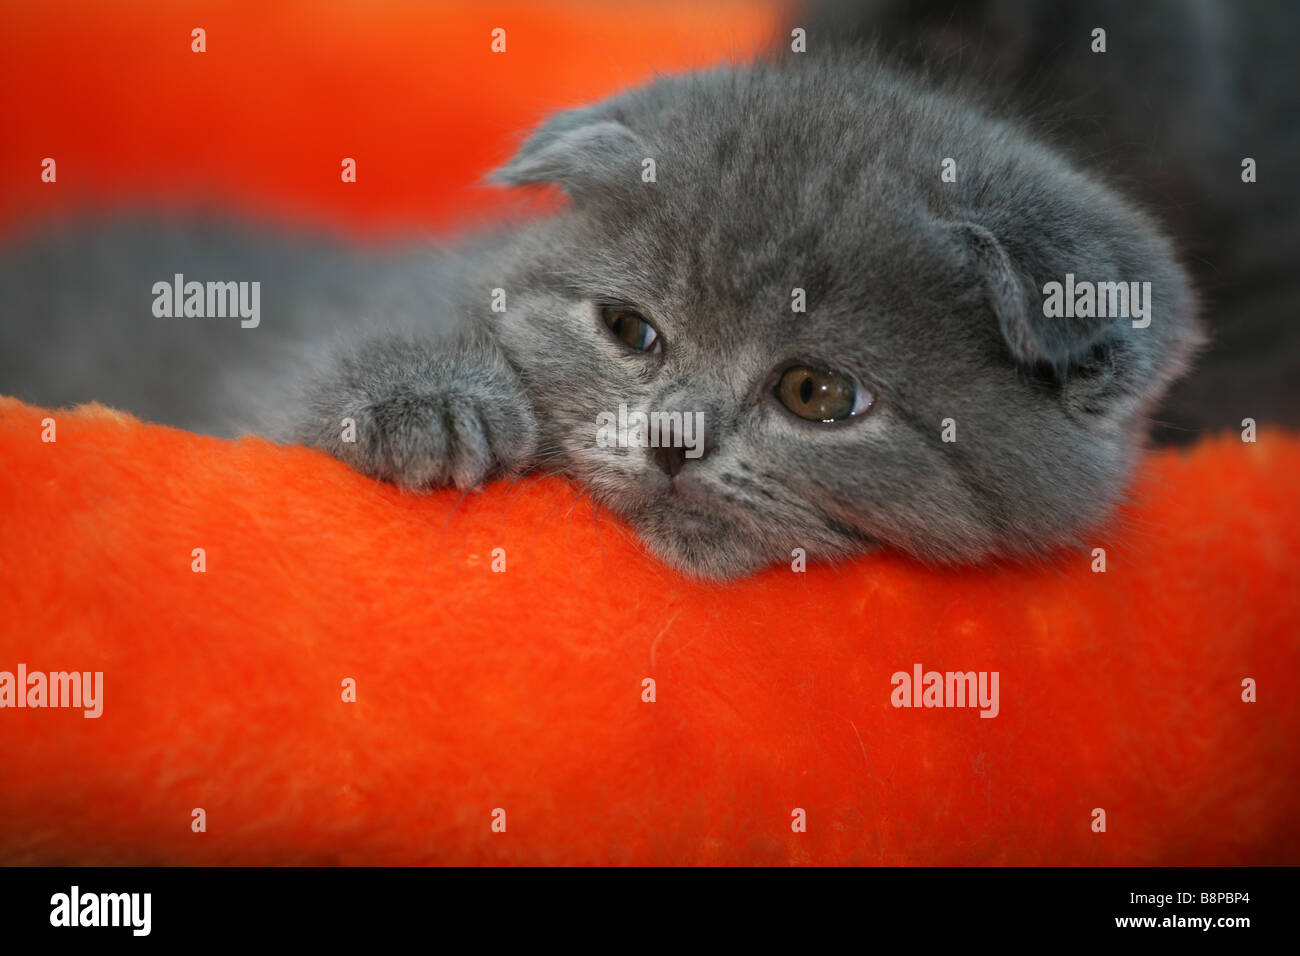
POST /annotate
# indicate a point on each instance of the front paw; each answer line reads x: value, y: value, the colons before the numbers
x: 448, y: 422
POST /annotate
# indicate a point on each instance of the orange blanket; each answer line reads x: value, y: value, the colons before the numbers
x: 518, y: 696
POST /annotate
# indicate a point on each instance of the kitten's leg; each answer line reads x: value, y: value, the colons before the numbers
x: 420, y: 414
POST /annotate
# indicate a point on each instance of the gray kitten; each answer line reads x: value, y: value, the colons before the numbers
x: 921, y: 399
x: 824, y: 429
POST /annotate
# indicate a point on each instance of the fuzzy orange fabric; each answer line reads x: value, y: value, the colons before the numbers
x: 258, y: 124
x: 522, y: 690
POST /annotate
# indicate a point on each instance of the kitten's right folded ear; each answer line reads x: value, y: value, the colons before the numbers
x: 577, y: 150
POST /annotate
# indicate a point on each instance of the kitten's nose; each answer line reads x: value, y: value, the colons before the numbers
x: 671, y: 457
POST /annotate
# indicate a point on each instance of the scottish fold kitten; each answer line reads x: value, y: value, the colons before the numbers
x: 778, y: 251
x: 921, y: 398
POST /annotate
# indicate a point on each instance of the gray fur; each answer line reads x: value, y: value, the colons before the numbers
x: 1185, y: 91
x: 821, y: 174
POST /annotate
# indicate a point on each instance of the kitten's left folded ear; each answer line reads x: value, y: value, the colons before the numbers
x: 577, y: 150
x: 1117, y: 362
x: 1013, y: 297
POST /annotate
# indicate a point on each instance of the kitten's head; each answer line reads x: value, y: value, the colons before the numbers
x: 919, y: 399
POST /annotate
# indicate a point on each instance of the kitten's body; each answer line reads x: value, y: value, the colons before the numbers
x: 821, y: 175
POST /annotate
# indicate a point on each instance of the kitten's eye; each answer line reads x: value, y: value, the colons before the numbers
x: 630, y: 328
x: 821, y: 396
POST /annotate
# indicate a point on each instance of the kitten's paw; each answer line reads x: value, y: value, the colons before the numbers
x: 422, y: 440
x: 437, y: 422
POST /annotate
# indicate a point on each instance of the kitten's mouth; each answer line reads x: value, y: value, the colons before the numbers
x: 697, y: 540
x: 692, y: 517
x: 687, y: 493
x: 686, y: 524
x: 683, y: 505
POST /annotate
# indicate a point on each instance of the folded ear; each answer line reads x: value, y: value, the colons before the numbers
x: 1013, y: 294
x: 577, y: 150
x: 1104, y: 364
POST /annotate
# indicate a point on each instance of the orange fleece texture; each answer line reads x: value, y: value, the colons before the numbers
x: 259, y: 124
x: 522, y: 690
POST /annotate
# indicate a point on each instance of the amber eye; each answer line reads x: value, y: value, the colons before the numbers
x: 820, y: 396
x: 631, y: 328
